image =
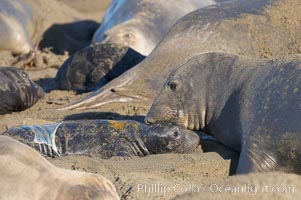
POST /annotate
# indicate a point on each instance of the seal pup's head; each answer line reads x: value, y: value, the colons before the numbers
x: 161, y: 138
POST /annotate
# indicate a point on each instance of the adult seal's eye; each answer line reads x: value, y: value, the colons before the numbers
x: 128, y: 35
x: 173, y: 86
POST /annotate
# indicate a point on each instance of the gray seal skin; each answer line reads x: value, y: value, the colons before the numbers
x: 252, y: 28
x: 94, y: 66
x: 252, y: 106
x: 16, y: 26
x: 142, y: 24
x: 18, y: 92
x: 106, y: 138
x: 25, y: 174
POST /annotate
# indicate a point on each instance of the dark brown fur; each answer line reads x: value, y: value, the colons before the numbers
x: 18, y: 92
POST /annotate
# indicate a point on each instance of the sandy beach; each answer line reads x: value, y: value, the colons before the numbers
x: 135, y: 178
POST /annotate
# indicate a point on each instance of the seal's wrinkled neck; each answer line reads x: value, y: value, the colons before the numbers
x: 221, y: 82
x: 149, y: 136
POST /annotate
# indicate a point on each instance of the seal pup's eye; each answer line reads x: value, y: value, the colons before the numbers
x: 173, y: 86
x: 175, y: 134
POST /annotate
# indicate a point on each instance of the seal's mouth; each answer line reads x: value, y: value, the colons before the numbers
x: 167, y: 115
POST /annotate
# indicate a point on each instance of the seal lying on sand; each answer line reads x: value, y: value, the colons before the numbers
x: 259, y: 28
x: 17, y: 91
x: 142, y: 24
x: 95, y: 65
x: 16, y: 26
x: 106, y: 138
x: 27, y: 175
x: 252, y: 106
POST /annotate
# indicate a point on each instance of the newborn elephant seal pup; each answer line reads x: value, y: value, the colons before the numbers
x: 25, y: 174
x: 252, y: 106
x: 257, y: 28
x: 17, y: 91
x: 94, y: 66
x: 106, y: 138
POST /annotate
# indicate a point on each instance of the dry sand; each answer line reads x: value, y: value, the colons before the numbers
x: 136, y: 178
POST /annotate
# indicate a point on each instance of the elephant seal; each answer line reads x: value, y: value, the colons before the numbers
x: 27, y: 175
x: 258, y: 28
x: 142, y: 24
x: 17, y: 26
x: 94, y: 66
x: 18, y: 92
x: 252, y: 106
x: 106, y: 138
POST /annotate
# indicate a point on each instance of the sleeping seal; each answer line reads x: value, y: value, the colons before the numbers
x: 17, y: 26
x: 27, y: 175
x: 258, y: 28
x: 18, y: 92
x: 252, y: 106
x: 140, y: 25
x: 92, y: 67
x: 106, y: 138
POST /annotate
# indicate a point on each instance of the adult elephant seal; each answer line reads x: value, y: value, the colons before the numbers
x: 17, y: 26
x: 18, y: 92
x: 258, y: 28
x: 106, y: 138
x: 94, y: 66
x: 142, y: 24
x: 27, y: 175
x: 252, y: 106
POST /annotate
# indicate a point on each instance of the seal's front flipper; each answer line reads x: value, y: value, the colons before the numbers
x: 129, y: 145
x: 100, y: 98
x: 42, y: 138
x: 255, y: 158
x: 116, y: 91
